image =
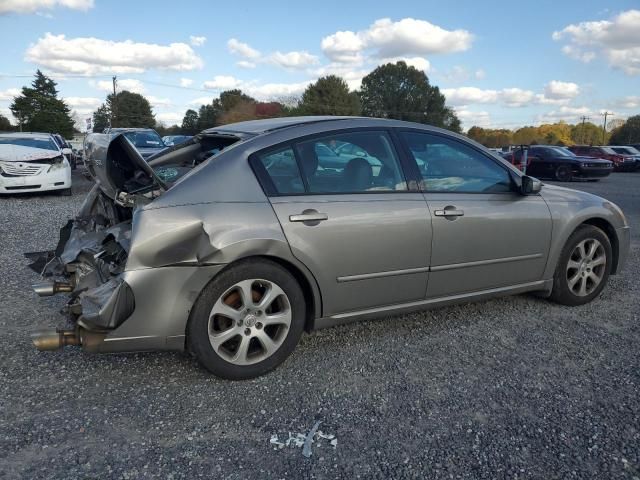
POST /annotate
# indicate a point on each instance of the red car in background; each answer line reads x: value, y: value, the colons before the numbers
x: 620, y: 162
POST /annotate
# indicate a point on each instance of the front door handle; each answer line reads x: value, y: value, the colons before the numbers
x: 449, y: 212
x: 309, y: 216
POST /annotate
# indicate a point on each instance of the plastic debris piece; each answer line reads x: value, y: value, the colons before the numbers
x: 334, y: 442
x: 306, y: 449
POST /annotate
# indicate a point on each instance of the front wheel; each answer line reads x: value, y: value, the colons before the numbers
x: 583, y: 268
x: 247, y: 320
x: 564, y: 173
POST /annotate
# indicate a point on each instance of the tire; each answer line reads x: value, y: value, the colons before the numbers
x: 575, y: 270
x: 239, y: 327
x: 564, y: 173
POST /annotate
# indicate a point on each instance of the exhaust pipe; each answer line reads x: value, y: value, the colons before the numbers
x: 49, y: 340
x: 46, y: 289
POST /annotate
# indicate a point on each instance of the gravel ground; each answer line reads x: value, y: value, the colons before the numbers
x: 508, y: 388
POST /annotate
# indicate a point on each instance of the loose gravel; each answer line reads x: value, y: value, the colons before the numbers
x: 507, y: 388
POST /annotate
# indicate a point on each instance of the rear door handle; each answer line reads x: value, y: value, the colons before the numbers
x: 309, y: 217
x: 449, y: 212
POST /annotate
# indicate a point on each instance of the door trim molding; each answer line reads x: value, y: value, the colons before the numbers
x: 453, y: 266
x: 389, y: 273
x: 437, y: 268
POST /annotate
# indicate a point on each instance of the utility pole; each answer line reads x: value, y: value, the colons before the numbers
x: 582, y: 131
x: 604, y: 125
x: 113, y: 104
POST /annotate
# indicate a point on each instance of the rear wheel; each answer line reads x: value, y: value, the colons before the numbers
x: 248, y: 320
x: 583, y: 268
x: 564, y: 173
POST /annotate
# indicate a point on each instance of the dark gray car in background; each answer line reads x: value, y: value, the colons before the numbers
x: 234, y: 243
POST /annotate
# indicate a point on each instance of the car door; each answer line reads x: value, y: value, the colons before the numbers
x: 365, y: 237
x: 485, y: 234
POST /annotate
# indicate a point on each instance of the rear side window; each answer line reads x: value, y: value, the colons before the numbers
x: 353, y: 162
x: 282, y: 170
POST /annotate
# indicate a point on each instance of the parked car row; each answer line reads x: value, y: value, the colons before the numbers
x: 34, y: 162
x: 566, y: 163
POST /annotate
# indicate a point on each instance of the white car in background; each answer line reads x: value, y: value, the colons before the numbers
x: 32, y: 162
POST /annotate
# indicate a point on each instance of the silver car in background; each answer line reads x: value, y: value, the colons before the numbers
x: 234, y: 243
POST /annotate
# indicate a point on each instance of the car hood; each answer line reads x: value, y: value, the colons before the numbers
x: 556, y: 193
x: 20, y: 153
x: 117, y: 166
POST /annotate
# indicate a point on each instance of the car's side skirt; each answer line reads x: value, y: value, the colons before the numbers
x: 348, y: 317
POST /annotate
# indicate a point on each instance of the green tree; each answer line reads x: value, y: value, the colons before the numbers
x: 39, y: 109
x: 125, y: 109
x: 329, y: 96
x: 190, y: 122
x: 230, y: 99
x: 627, y: 133
x: 404, y: 92
x: 208, y: 116
x: 5, y: 124
x: 586, y: 134
x: 101, y: 118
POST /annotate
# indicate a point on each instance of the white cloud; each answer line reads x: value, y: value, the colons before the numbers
x: 197, y: 41
x: 86, y: 56
x: 33, y: 6
x: 186, y: 82
x: 158, y: 101
x: 201, y: 101
x: 556, y: 89
x: 556, y: 93
x: 223, y: 82
x: 9, y: 93
x: 245, y: 64
x: 618, y: 40
x: 170, y: 118
x: 294, y: 60
x: 565, y: 113
x: 130, y: 84
x: 82, y: 102
x: 352, y: 76
x: 418, y: 62
x: 274, y: 91
x: 343, y: 47
x: 480, y: 74
x: 632, y: 101
x: 388, y: 39
x: 516, y: 97
x: 469, y: 118
x: 242, y: 49
x: 468, y: 95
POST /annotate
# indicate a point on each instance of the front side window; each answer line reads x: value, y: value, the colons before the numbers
x: 353, y: 162
x: 447, y: 165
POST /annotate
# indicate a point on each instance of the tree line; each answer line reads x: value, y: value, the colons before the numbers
x: 395, y: 90
x: 559, y: 133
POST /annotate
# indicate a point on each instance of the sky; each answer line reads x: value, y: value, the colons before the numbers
x: 501, y: 64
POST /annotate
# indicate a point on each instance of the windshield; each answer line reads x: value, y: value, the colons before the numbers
x: 626, y: 150
x: 145, y: 139
x: 561, y: 152
x: 607, y: 150
x: 44, y: 143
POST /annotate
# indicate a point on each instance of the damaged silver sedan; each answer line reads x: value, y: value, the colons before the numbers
x: 234, y: 243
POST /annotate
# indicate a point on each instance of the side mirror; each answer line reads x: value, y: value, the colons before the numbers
x: 67, y: 151
x: 530, y: 185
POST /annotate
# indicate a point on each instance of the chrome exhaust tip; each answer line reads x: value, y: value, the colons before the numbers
x: 46, y: 289
x: 50, y: 340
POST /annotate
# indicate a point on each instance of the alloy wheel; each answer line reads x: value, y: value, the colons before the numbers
x: 586, y: 267
x: 249, y: 322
